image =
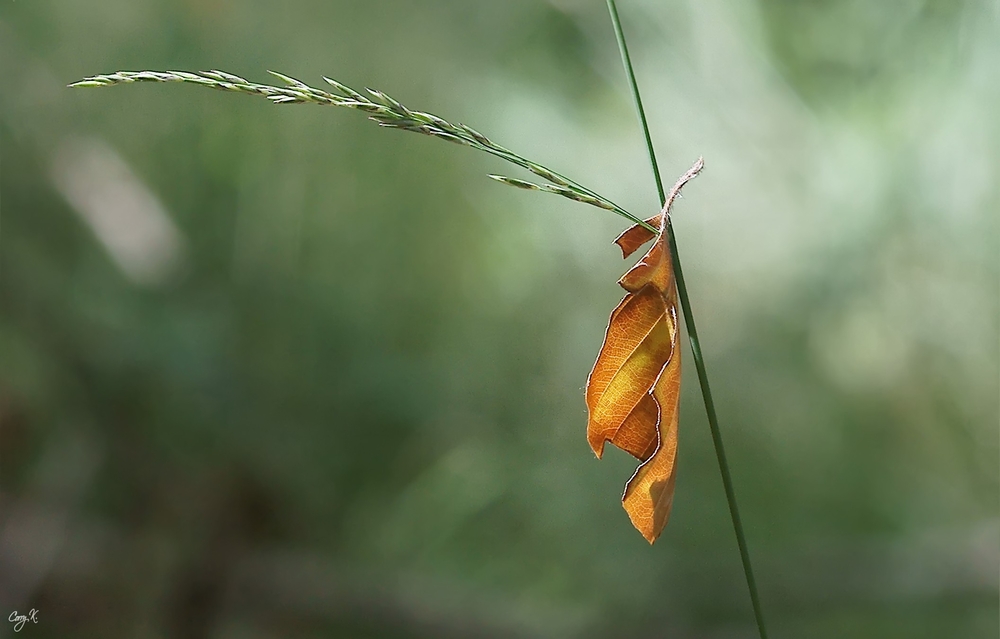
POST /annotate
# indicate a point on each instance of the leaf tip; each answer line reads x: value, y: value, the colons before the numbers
x: 597, y: 445
x: 625, y: 251
x: 596, y: 439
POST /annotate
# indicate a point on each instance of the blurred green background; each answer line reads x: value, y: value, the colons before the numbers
x: 274, y: 372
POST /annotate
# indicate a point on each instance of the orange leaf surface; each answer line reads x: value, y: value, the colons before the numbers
x: 633, y: 391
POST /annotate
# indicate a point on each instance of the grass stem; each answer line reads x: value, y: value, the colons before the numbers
x: 385, y: 111
x: 699, y: 360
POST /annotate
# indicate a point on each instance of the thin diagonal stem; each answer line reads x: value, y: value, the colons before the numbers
x: 699, y: 360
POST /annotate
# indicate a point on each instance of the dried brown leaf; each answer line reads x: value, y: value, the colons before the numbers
x: 633, y: 391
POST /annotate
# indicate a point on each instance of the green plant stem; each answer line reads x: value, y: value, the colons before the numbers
x: 699, y: 360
